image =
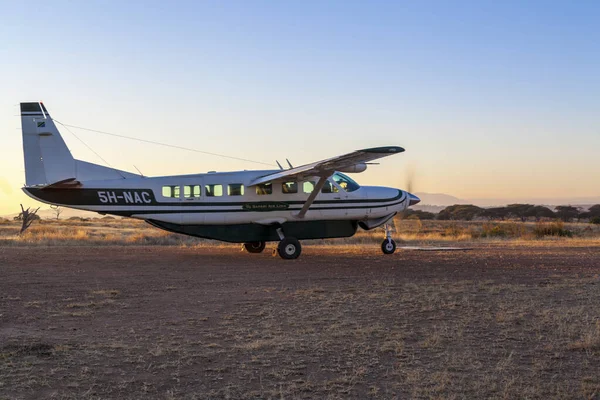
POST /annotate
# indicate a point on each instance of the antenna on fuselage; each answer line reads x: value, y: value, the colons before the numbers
x: 289, y: 163
x: 279, y: 165
x: 138, y: 170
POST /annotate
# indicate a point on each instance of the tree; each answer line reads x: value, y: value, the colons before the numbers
x: 539, y: 212
x: 494, y: 213
x: 464, y: 212
x: 594, y: 211
x: 27, y: 217
x: 57, y: 210
x: 521, y: 211
x: 567, y: 213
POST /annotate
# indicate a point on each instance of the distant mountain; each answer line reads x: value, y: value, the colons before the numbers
x: 439, y: 199
x: 546, y: 201
x: 433, y: 201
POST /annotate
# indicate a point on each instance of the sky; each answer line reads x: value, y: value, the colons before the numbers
x: 490, y: 99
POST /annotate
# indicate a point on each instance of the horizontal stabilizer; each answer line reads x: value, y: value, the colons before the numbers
x: 67, y: 183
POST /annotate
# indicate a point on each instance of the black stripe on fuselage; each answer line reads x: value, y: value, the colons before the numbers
x: 127, y: 213
x: 90, y: 197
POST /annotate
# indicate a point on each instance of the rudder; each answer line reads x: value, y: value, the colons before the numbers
x: 47, y: 157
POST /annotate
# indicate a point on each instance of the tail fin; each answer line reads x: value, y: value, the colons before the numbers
x: 47, y: 157
x: 48, y: 160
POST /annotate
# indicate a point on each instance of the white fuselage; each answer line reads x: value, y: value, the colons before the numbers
x: 158, y: 199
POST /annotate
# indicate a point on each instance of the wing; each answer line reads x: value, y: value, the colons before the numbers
x: 326, y: 168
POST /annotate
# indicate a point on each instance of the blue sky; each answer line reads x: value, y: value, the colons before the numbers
x: 490, y: 99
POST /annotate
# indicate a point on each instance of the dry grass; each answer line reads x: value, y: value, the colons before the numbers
x: 130, y: 232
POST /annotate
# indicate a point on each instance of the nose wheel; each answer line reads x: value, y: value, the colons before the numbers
x: 388, y: 246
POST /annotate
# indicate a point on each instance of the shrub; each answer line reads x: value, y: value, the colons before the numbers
x: 503, y: 230
x: 455, y: 230
x: 419, y: 214
x: 556, y: 228
x: 595, y: 220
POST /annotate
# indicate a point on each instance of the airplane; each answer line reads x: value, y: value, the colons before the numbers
x: 312, y: 201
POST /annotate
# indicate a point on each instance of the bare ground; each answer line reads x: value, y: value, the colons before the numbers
x: 500, y: 321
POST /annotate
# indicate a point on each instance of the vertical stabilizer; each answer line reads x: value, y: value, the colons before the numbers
x: 47, y: 157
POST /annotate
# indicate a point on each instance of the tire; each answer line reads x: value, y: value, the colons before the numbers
x: 388, y: 246
x: 254, y: 247
x: 289, y: 248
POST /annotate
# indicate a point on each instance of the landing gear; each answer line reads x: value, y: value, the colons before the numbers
x: 388, y: 246
x: 289, y: 248
x: 254, y: 247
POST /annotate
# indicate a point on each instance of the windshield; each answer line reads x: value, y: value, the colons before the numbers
x: 345, y: 182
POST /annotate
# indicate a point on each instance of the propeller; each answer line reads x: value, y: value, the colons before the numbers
x: 409, y: 179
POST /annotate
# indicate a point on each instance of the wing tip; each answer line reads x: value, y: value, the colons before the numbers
x: 384, y: 150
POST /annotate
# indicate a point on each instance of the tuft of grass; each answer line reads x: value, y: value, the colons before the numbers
x: 91, y: 304
x: 106, y: 292
x: 589, y: 342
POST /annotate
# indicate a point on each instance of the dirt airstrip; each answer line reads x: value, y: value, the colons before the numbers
x: 499, y: 321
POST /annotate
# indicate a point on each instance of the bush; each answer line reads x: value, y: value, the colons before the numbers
x: 595, y: 220
x: 503, y: 230
x: 455, y: 230
x: 420, y: 215
x: 556, y: 228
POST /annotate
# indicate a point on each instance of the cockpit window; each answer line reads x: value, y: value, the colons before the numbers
x: 345, y: 182
x: 329, y: 188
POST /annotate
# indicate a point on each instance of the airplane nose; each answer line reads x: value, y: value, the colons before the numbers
x: 413, y: 199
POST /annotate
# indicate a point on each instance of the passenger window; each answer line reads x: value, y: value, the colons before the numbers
x: 289, y: 187
x: 171, y: 191
x: 235, y: 189
x: 308, y: 187
x: 265, y: 188
x: 213, y: 190
x: 191, y: 191
x: 329, y: 188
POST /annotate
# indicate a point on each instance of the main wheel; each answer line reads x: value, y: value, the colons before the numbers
x: 289, y: 248
x: 254, y: 247
x: 388, y: 246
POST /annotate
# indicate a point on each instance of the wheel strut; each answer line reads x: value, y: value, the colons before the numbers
x: 289, y: 248
x: 388, y: 246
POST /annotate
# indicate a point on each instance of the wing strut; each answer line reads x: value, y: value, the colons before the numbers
x: 312, y: 196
